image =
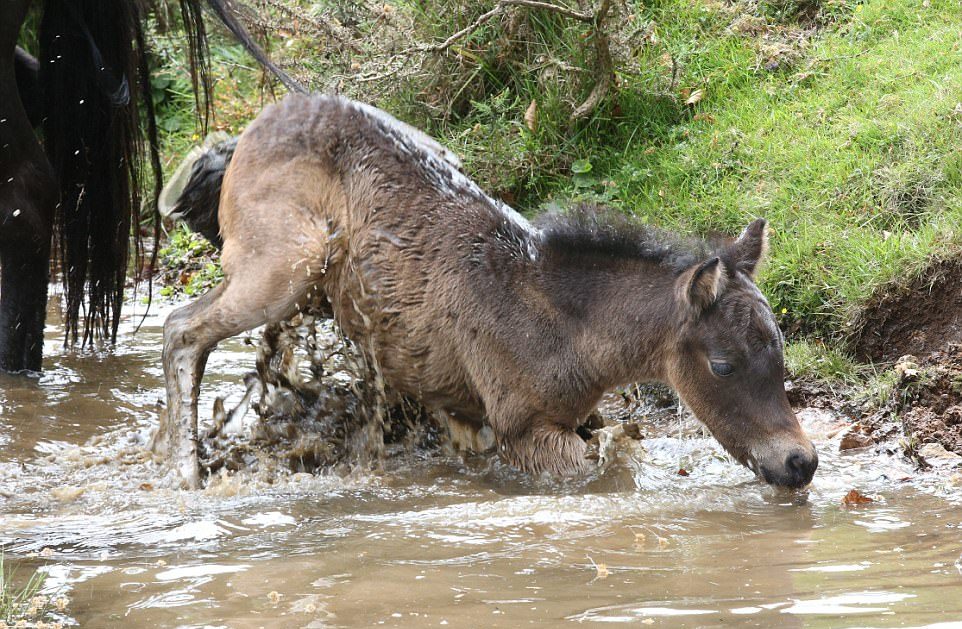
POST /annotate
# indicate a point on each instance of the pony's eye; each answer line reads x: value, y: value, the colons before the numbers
x: 722, y: 368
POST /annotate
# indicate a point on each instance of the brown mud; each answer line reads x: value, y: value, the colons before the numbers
x: 928, y: 400
x: 919, y: 415
x: 914, y: 318
x: 916, y: 326
x: 319, y: 406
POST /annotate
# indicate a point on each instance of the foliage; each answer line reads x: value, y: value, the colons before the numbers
x: 191, y: 265
x: 240, y: 91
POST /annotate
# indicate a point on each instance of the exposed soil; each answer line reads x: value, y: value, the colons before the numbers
x: 924, y: 406
x: 918, y: 318
x: 928, y: 399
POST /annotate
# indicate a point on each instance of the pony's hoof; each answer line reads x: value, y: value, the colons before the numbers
x: 189, y: 472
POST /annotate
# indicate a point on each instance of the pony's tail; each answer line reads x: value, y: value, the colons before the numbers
x: 193, y: 191
x: 227, y: 11
x: 92, y: 84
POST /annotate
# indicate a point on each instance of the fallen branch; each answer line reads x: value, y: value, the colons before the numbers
x: 475, y: 25
x: 603, y: 64
x: 556, y: 8
x: 499, y: 9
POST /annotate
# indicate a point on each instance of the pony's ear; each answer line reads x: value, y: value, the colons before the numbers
x: 750, y: 247
x: 701, y: 285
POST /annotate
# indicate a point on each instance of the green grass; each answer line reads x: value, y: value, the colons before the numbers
x: 853, y: 157
x: 839, y: 121
x: 25, y: 605
x: 812, y: 360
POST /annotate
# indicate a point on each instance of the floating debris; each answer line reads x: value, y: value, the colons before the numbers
x: 855, y: 498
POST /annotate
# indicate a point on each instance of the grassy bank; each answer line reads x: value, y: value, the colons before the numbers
x: 853, y: 155
x: 838, y: 121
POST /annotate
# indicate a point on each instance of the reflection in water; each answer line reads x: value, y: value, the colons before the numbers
x: 446, y: 542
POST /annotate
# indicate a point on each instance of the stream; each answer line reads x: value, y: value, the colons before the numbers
x: 444, y: 541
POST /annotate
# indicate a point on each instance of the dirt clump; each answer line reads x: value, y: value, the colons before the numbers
x: 926, y: 402
x: 915, y: 318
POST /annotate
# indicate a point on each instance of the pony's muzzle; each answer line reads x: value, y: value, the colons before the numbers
x: 795, y: 472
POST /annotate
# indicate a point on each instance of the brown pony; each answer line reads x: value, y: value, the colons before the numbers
x: 469, y: 308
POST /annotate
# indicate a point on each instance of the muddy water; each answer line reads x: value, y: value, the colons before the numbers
x: 446, y: 542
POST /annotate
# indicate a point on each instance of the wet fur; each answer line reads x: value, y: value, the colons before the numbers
x: 458, y: 300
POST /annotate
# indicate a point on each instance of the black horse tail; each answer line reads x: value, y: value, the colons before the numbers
x: 101, y: 139
x: 95, y: 93
x: 193, y: 192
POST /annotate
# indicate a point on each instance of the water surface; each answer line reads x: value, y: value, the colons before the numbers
x: 446, y: 542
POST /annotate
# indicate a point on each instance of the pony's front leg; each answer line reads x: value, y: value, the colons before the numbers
x: 542, y: 445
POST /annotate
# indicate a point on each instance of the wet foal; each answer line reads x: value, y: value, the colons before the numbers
x: 467, y: 307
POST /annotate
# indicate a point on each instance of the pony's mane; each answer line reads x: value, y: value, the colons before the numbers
x: 600, y: 232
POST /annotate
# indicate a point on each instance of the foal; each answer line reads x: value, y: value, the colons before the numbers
x: 467, y: 307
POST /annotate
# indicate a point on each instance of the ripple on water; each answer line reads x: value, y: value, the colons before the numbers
x: 465, y: 542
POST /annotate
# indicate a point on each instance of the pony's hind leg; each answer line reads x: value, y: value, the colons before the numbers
x: 241, y: 302
x: 187, y: 343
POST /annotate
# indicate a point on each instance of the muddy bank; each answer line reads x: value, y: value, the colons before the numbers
x: 911, y: 330
x: 927, y: 401
x: 915, y: 318
x: 914, y: 409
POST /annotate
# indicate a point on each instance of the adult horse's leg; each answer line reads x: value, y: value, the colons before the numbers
x: 24, y: 263
x: 27, y: 200
x: 27, y: 70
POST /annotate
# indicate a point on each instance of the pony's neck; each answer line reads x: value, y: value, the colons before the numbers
x: 620, y: 315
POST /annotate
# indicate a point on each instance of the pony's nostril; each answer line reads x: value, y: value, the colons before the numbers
x: 802, y: 466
